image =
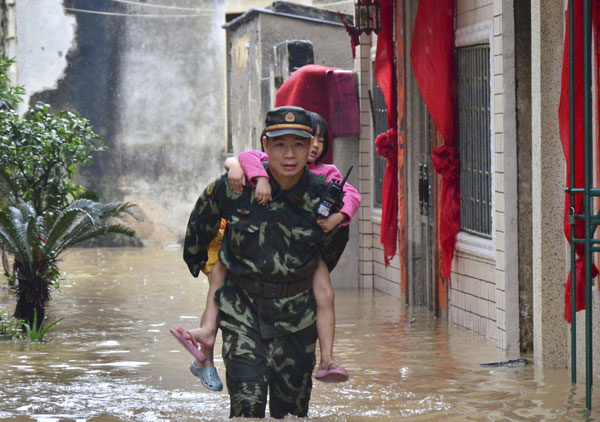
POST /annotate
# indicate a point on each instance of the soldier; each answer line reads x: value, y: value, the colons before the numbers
x: 267, y: 309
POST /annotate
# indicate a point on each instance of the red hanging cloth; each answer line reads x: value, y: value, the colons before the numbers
x: 578, y: 160
x: 387, y: 143
x: 432, y: 59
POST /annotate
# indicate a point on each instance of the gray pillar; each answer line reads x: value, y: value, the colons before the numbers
x: 548, y: 173
x: 511, y: 218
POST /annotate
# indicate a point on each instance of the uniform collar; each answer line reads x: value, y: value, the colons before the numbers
x: 294, y: 195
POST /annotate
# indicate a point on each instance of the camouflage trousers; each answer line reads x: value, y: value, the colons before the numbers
x: 281, y: 367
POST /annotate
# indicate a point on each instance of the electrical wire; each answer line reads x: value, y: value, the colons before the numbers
x: 162, y: 6
x: 134, y: 15
x: 335, y: 3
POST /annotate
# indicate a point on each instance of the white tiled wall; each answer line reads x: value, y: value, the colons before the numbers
x: 472, y: 301
x: 477, y: 294
x: 373, y: 272
x: 366, y: 239
x: 469, y: 12
x: 499, y: 198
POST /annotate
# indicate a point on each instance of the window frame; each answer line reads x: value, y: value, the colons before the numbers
x: 476, y: 207
x: 481, y: 33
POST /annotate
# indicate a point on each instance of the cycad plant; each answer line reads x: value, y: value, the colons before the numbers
x: 38, y: 240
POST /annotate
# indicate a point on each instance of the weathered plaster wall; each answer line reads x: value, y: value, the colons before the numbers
x: 150, y: 85
x: 244, y: 87
x: 168, y: 139
x: 42, y: 47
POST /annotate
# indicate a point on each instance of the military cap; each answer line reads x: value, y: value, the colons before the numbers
x: 288, y: 120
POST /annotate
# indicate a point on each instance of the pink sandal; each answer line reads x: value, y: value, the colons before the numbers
x: 189, y: 346
x: 333, y: 373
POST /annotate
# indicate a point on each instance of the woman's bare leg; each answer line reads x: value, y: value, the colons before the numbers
x: 325, y: 297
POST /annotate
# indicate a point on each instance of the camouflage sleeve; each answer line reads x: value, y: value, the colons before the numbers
x: 333, y: 244
x: 203, y: 225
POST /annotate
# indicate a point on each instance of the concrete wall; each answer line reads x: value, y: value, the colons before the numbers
x: 549, y: 252
x: 347, y: 270
x: 150, y: 85
x: 522, y: 55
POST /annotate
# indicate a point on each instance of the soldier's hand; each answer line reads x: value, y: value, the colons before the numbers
x: 331, y: 222
x: 263, y: 190
x: 236, y: 179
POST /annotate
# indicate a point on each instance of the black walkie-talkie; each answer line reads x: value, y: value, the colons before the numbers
x: 332, y: 200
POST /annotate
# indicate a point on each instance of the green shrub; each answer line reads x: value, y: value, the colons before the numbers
x: 36, y: 333
x: 10, y: 326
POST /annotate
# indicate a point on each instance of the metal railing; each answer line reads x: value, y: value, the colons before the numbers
x: 588, y: 192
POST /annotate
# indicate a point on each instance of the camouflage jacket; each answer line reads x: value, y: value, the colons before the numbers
x: 277, y: 243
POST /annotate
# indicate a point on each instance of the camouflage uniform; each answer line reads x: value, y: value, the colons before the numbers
x: 269, y: 334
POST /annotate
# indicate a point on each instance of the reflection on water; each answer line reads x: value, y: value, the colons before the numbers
x: 112, y: 357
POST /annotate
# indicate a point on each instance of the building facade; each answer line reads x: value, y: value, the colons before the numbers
x: 510, y: 263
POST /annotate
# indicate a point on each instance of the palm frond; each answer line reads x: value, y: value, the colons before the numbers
x: 89, y: 219
x: 14, y: 223
x: 38, y: 240
x: 112, y: 229
x: 61, y: 224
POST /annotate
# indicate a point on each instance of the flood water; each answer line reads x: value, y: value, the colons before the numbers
x: 112, y: 357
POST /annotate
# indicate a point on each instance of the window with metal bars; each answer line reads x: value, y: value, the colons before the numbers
x: 380, y: 125
x: 473, y: 88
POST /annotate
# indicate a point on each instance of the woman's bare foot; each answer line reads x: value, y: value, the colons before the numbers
x: 203, y: 338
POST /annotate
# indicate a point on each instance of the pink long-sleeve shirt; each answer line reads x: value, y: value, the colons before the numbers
x: 251, y: 163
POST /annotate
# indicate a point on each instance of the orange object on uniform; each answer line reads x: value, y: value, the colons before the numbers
x: 213, y: 248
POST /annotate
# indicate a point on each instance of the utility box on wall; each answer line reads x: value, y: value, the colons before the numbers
x: 289, y: 56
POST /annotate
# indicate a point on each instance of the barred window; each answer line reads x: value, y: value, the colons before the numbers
x: 473, y: 88
x: 380, y: 125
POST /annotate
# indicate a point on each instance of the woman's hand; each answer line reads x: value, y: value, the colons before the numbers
x: 331, y: 222
x: 262, y: 192
x: 235, y: 175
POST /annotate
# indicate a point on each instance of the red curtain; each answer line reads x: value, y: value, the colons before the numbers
x: 578, y: 159
x: 432, y: 59
x: 387, y: 143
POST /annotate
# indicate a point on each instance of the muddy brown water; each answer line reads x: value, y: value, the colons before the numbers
x: 112, y: 357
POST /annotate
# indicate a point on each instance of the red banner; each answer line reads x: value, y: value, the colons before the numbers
x: 432, y: 59
x: 387, y: 143
x: 579, y: 158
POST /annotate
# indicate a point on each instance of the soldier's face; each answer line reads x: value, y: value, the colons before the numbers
x: 288, y: 154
